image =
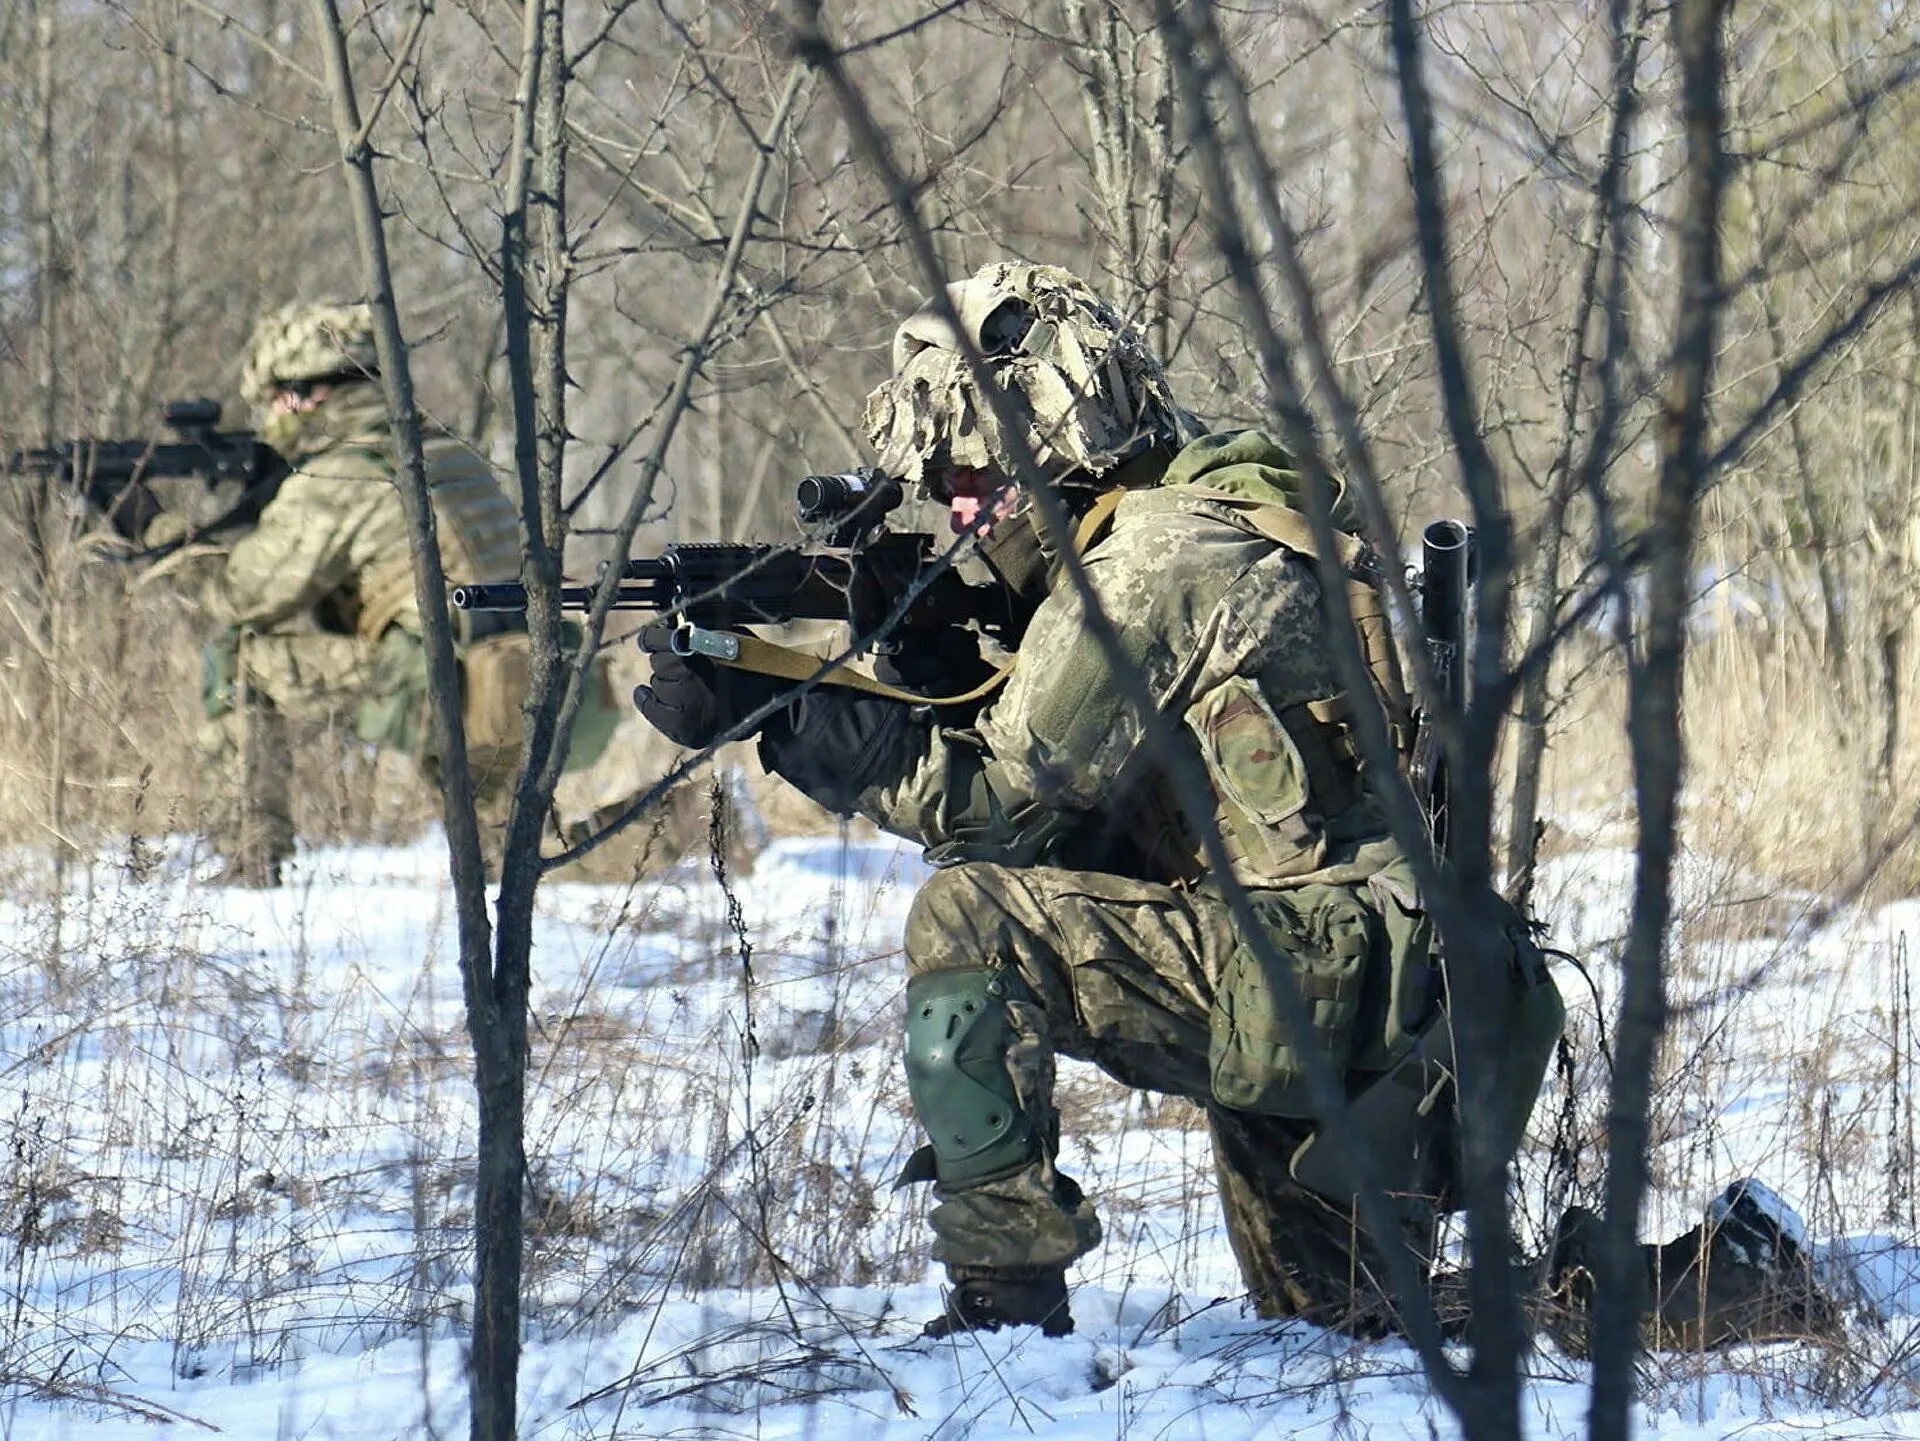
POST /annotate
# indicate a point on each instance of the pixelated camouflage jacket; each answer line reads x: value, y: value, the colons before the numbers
x: 1227, y: 628
x: 335, y: 534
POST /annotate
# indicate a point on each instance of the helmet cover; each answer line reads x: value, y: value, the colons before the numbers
x: 1082, y: 376
x: 301, y: 342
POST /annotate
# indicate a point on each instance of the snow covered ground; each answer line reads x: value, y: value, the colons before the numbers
x: 239, y: 1131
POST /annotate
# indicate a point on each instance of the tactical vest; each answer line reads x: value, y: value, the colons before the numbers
x: 1282, y: 773
x: 478, y: 528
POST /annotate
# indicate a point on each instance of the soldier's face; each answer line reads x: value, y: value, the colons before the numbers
x: 975, y: 498
x: 299, y: 402
x: 286, y: 416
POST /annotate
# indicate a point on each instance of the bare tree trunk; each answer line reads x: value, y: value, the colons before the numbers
x: 172, y: 183
x: 1107, y: 100
x: 52, y: 276
x: 535, y: 265
x: 1530, y: 730
x: 496, y: 1010
x: 479, y: 423
x: 1654, y: 679
x: 1892, y: 662
x: 1465, y: 905
x: 1603, y: 290
x: 1162, y: 156
x: 1126, y: 96
x: 44, y: 502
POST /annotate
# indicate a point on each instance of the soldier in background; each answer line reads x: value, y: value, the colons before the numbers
x: 1072, y: 912
x: 315, y: 606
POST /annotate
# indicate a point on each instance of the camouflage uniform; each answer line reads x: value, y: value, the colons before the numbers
x: 1073, y: 912
x: 1065, y: 863
x: 1069, y: 878
x: 319, y: 597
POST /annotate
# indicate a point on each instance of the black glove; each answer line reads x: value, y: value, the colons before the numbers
x: 692, y: 701
x: 934, y: 660
x: 940, y: 660
x: 836, y: 743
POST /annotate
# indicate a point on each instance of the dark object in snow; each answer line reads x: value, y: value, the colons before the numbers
x: 253, y: 870
x: 986, y: 1303
x: 1742, y: 1274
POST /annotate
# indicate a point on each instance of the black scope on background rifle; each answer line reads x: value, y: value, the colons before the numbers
x: 237, y: 470
x: 1446, y: 613
x: 860, y: 574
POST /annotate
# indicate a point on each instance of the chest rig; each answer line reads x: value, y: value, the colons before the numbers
x: 478, y: 528
x: 1284, y: 775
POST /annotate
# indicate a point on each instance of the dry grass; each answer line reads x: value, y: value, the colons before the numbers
x: 100, y: 700
x: 100, y: 711
x: 1777, y: 1060
x: 1780, y: 782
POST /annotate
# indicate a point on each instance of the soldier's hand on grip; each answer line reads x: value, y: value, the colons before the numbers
x: 692, y: 701
x: 935, y: 660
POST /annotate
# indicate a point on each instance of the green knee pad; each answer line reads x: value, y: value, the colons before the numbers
x: 957, y: 1039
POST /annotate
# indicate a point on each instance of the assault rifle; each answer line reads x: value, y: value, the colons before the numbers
x: 128, y: 481
x: 851, y: 568
x: 1446, y: 589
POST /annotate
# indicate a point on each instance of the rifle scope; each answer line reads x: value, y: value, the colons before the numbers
x: 187, y: 416
x: 864, y: 492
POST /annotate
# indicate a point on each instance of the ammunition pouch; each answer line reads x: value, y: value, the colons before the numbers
x: 394, y: 714
x: 219, y: 669
x: 473, y: 626
x: 1361, y: 958
x: 496, y: 675
x: 1407, y: 1117
x: 1279, y: 776
x: 958, y: 1033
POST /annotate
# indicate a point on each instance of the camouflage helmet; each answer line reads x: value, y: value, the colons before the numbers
x: 1090, y: 388
x: 307, y: 342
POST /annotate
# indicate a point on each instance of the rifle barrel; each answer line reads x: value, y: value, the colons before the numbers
x: 511, y: 595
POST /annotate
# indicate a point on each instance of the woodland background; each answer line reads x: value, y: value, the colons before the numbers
x: 170, y: 174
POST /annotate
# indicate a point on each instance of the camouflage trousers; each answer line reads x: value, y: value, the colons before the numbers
x: 1122, y: 974
x: 247, y: 757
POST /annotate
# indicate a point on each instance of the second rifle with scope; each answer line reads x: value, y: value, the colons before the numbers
x: 126, y: 482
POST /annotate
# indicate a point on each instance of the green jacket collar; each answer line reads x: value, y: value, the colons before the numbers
x: 1247, y: 463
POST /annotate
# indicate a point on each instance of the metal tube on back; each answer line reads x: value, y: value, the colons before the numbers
x: 1446, y: 574
x: 1446, y: 578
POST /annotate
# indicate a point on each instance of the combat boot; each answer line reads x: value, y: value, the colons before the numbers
x: 1743, y: 1274
x: 987, y: 1300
